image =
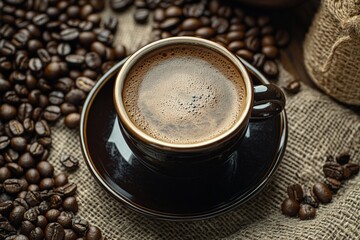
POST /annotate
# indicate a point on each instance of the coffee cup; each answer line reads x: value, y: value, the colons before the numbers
x: 184, y: 103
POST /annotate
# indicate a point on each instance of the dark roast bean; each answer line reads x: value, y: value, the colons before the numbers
x: 16, y: 215
x: 12, y: 185
x: 92, y: 60
x: 7, y: 111
x: 270, y: 52
x: 4, y: 85
x: 169, y: 24
x: 236, y: 45
x: 173, y: 11
x: 310, y: 198
x: 346, y: 173
x: 18, y: 144
x: 6, y: 207
x: 205, y: 32
x: 250, y: 21
x: 292, y: 87
x: 69, y: 34
x: 235, y: 35
x: 252, y: 43
x: 93, y: 233
x: 24, y: 111
x: 36, y: 149
x: 45, y: 169
x: 70, y: 204
x: 84, y: 83
x: 32, y: 198
x: 7, y: 48
x: 46, y: 184
x: 353, y: 167
x: 54, y: 231
x: 56, y: 97
x: 31, y: 215
x: 4, y: 174
x: 52, y: 215
x: 333, y: 184
x: 159, y: 15
x: 45, y: 141
x: 21, y: 90
x: 33, y: 188
x: 41, y: 19
x: 75, y: 60
x: 26, y: 160
x: 120, y: 5
x: 258, y: 60
x: 15, y: 169
x: 11, y: 156
x: 55, y: 201
x: 71, y: 121
x: 36, y: 234
x: 322, y: 192
x: 65, y: 219
x: 67, y: 108
x: 70, y: 234
x: 42, y: 128
x: 67, y: 190
x: 290, y: 207
x: 80, y: 226
x: 26, y: 227
x: 35, y: 65
x: 41, y: 221
x: 141, y: 15
x: 69, y: 162
x: 295, y: 192
x: 194, y: 10
x: 64, y: 84
x: 270, y: 68
x: 191, y: 24
x: 21, y: 60
x: 43, y: 207
x: 11, y: 97
x: 245, y: 54
x: 21, y: 202
x: 268, y: 40
x: 16, y: 128
x: 60, y: 180
x: 75, y: 96
x: 343, y: 158
x: 333, y: 170
x: 6, y: 229
x: 105, y: 36
x: 4, y: 142
x: 306, y: 212
x: 52, y: 113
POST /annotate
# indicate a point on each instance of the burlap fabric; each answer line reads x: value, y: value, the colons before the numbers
x: 317, y: 126
x: 332, y: 50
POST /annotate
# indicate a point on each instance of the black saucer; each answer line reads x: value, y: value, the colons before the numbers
x: 118, y: 171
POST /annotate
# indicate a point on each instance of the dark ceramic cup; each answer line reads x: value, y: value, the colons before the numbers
x: 191, y: 159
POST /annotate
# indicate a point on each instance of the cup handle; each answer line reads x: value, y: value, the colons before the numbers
x: 269, y: 100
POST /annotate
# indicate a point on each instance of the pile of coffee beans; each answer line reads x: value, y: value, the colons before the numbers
x: 303, y: 202
x: 51, y: 55
x: 253, y: 38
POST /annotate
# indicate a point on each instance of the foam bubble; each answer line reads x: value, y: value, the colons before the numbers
x: 188, y: 96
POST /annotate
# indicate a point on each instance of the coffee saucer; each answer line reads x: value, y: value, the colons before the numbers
x: 161, y: 196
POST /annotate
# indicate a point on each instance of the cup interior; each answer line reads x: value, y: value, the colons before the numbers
x: 239, y: 124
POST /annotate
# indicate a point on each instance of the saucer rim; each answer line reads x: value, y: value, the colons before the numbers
x: 101, y: 180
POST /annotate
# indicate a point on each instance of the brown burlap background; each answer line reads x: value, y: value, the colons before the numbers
x: 332, y: 50
x: 317, y: 126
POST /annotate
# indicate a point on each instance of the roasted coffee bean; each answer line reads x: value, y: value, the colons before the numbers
x: 36, y: 234
x: 282, y: 38
x: 15, y: 169
x: 26, y: 227
x: 270, y: 52
x: 292, y: 87
x: 69, y: 162
x: 21, y: 60
x: 75, y: 96
x: 6, y: 207
x: 52, y: 113
x: 18, y: 144
x: 55, y: 201
x: 295, y: 192
x: 71, y: 121
x: 80, y: 226
x: 35, y: 65
x: 24, y: 111
x: 105, y: 36
x: 33, y: 188
x: 61, y: 180
x: 252, y: 32
x: 54, y: 231
x: 16, y: 215
x: 290, y: 207
x: 235, y: 36
x: 169, y: 24
x: 205, y: 32
x: 32, y: 198
x: 52, y: 215
x: 245, y: 54
x: 252, y: 43
x: 4, y: 85
x: 31, y: 215
x: 70, y: 204
x: 6, y: 229
x: 310, y: 198
x: 306, y: 212
x: 67, y: 190
x: 236, y: 45
x: 194, y: 10
x: 4, y: 142
x: 36, y: 149
x: 92, y: 60
x: 120, y: 5
x: 93, y: 233
x: 85, y: 84
x: 42, y: 128
x: 333, y: 170
x: 75, y: 60
x: 110, y: 23
x: 69, y: 34
x: 7, y: 111
x: 322, y: 192
x: 353, y: 167
x: 333, y: 184
x: 67, y: 108
x: 12, y: 186
x: 46, y: 184
x: 346, y: 173
x: 99, y: 48
x: 7, y: 48
x: 258, y: 60
x: 11, y: 97
x: 26, y: 160
x: 11, y: 156
x: 141, y: 15
x: 41, y: 221
x: 45, y: 169
x: 191, y: 24
x: 65, y: 219
x: 41, y: 19
x: 21, y: 202
x: 16, y: 128
x: 45, y: 141
x: 21, y: 90
x: 43, y: 207
x: 70, y: 234
x: 343, y: 158
x: 4, y: 174
x: 56, y: 97
x: 270, y: 68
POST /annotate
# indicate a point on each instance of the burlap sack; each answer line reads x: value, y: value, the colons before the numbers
x: 332, y: 50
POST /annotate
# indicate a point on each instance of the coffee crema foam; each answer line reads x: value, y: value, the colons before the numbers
x: 184, y: 94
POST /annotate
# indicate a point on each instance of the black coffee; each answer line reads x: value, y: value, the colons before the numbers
x: 184, y: 94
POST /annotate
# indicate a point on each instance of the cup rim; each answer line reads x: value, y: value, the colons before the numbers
x: 137, y: 133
